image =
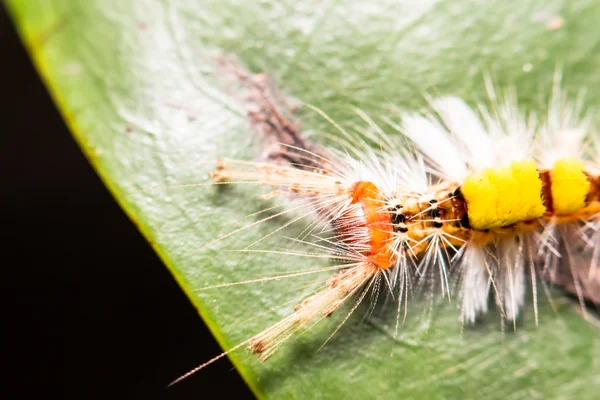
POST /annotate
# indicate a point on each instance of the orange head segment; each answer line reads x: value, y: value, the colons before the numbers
x: 378, y: 222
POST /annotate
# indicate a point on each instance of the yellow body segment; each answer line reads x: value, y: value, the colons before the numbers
x: 570, y: 186
x: 499, y: 197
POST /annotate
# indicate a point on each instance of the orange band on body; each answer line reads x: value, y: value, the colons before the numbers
x: 378, y: 221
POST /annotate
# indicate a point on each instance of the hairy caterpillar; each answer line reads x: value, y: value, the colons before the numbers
x: 480, y: 203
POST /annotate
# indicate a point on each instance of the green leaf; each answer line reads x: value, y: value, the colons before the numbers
x: 139, y: 84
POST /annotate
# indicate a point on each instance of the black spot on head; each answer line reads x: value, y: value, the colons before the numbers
x: 458, y: 194
x: 436, y: 215
x: 398, y: 218
x: 464, y: 221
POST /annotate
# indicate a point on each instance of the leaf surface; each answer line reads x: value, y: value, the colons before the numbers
x: 140, y: 85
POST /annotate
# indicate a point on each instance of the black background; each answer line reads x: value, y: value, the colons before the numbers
x: 91, y: 312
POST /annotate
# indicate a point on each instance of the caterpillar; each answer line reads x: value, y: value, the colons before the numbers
x: 477, y: 202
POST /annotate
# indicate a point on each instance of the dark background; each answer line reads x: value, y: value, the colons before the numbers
x: 90, y: 310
